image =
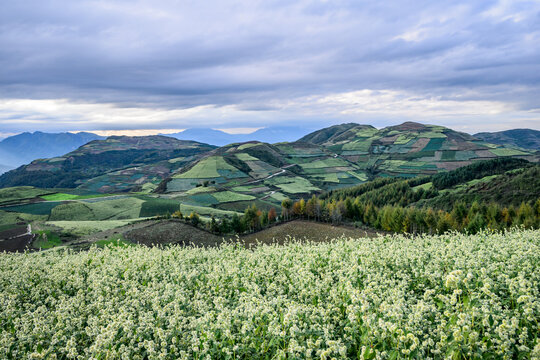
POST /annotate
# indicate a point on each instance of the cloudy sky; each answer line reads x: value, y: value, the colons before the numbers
x: 162, y: 65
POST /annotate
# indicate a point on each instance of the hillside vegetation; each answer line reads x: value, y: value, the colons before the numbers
x: 118, y: 163
x: 453, y: 296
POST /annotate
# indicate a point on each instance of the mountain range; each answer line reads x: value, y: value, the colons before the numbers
x: 23, y: 148
x: 215, y: 137
x: 331, y: 158
x: 523, y: 138
x: 138, y: 160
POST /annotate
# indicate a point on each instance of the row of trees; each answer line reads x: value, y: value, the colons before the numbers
x: 252, y: 220
x: 462, y: 217
x: 473, y: 218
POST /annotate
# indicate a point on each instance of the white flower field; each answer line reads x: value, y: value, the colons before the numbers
x: 442, y: 297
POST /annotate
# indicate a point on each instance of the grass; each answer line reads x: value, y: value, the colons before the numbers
x: 330, y: 162
x: 81, y: 228
x: 245, y: 157
x: 157, y: 206
x: 298, y: 185
x: 8, y: 218
x: 278, y: 196
x: 332, y: 177
x: 247, y: 146
x: 39, y: 208
x: 229, y: 196
x: 46, y: 239
x: 19, y: 193
x: 201, y: 189
x: 207, y: 169
x: 117, y: 209
x: 203, y: 210
x: 507, y: 152
x: 424, y: 187
x: 60, y: 197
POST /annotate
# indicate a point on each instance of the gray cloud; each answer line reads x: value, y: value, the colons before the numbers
x: 268, y: 60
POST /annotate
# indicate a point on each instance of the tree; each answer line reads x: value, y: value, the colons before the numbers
x: 214, y: 226
x: 459, y: 213
x: 264, y: 218
x: 286, y: 206
x: 335, y: 213
x: 476, y: 224
x: 237, y: 224
x: 251, y: 218
x: 224, y: 226
x: 525, y: 215
x: 194, y: 218
x: 272, y: 216
x: 431, y: 220
x: 299, y: 208
x: 445, y: 222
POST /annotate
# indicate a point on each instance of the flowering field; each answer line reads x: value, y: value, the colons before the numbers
x: 452, y: 296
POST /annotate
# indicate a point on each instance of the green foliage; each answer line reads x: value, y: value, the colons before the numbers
x: 158, y: 206
x: 476, y: 170
x: 46, y: 239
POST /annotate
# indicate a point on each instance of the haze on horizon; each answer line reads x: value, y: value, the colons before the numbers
x: 148, y: 66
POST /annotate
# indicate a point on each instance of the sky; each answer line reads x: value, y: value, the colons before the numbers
x: 149, y: 66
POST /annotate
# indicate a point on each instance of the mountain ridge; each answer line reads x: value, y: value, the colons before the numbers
x: 147, y: 155
x: 528, y: 139
x: 23, y: 148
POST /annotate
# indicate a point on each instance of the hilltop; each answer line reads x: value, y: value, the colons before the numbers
x: 126, y: 161
x: 234, y: 176
x: 409, y: 149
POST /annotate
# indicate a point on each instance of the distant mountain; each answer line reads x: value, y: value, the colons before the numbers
x: 220, y: 138
x: 123, y: 163
x: 523, y: 138
x: 23, y: 148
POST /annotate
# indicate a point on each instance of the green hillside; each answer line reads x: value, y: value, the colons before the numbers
x: 333, y: 158
x: 503, y: 181
x: 262, y: 172
x: 119, y: 163
x: 409, y: 149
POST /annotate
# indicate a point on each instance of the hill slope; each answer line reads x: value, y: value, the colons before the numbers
x: 232, y: 176
x: 341, y: 156
x: 126, y: 162
x: 409, y: 149
x: 23, y: 148
x: 522, y: 138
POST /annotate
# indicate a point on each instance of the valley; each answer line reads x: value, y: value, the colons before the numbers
x: 107, y: 185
